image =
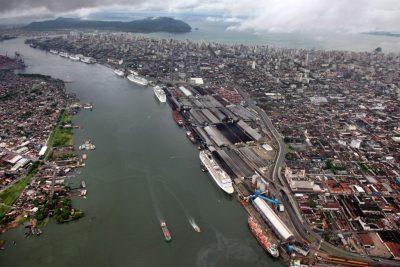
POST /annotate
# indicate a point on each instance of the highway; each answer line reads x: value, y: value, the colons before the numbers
x: 301, y: 227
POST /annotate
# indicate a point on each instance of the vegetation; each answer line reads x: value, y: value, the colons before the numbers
x: 9, y: 195
x: 66, y: 156
x: 60, y: 137
x: 148, y: 25
x: 332, y: 167
x: 363, y: 167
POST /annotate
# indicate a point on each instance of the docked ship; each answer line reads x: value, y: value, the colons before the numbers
x: 160, y: 94
x: 189, y: 135
x: 63, y: 54
x: 177, y: 118
x: 220, y: 177
x: 53, y: 51
x: 119, y: 72
x: 262, y: 239
x: 87, y: 60
x: 137, y: 79
x: 74, y: 57
x: 167, y: 234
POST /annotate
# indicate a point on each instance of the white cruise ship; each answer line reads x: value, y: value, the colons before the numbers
x: 137, y: 79
x: 119, y: 72
x: 217, y: 173
x: 160, y: 94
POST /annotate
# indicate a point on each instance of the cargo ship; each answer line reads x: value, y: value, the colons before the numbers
x: 167, y: 234
x: 177, y: 118
x: 137, y: 79
x: 220, y: 177
x: 262, y: 239
x: 160, y: 94
x: 119, y: 72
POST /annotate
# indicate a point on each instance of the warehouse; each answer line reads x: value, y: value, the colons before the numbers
x: 216, y: 136
x: 272, y: 219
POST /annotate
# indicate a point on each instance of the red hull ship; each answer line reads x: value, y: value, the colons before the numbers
x: 177, y: 118
x: 166, y: 233
x: 262, y: 239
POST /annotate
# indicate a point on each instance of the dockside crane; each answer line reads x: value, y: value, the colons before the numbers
x: 259, y: 194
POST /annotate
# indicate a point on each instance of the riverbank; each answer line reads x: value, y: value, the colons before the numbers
x: 144, y: 169
x: 32, y: 169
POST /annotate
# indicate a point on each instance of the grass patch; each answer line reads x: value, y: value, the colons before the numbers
x: 60, y: 137
x: 332, y: 167
x: 9, y: 195
x: 4, y: 209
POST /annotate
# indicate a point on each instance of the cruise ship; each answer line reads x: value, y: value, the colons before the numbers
x: 160, y: 94
x: 137, y: 79
x: 217, y: 173
x: 119, y: 72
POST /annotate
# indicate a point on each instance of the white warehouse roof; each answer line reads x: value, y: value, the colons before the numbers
x: 272, y: 219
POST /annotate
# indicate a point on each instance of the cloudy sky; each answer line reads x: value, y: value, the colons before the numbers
x: 257, y: 15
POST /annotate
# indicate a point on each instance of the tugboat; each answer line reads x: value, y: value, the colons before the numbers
x: 167, y: 234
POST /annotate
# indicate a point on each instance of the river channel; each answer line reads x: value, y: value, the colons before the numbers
x: 143, y: 170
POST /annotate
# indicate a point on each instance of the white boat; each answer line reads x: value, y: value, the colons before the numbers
x: 74, y: 57
x: 119, y: 72
x: 137, y: 79
x: 160, y: 94
x: 53, y: 51
x: 87, y: 60
x: 63, y: 54
x: 87, y: 146
x: 220, y: 177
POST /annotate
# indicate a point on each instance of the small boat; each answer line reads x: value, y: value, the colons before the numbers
x: 87, y: 146
x: 167, y: 234
x: 83, y: 184
x: 119, y: 72
x: 196, y: 228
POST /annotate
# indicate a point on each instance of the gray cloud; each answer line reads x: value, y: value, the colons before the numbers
x: 257, y: 15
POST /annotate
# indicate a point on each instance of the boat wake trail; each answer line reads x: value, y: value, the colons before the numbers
x: 153, y: 199
x: 190, y: 218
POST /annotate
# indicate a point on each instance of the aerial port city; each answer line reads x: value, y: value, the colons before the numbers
x: 306, y: 141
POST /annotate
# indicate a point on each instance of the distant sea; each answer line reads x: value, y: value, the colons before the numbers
x: 215, y: 29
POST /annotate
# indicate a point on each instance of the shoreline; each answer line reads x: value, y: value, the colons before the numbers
x: 18, y: 207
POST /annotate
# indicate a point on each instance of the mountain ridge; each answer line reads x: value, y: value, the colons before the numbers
x: 147, y: 25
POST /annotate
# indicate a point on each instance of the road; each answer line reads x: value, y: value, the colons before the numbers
x: 302, y: 228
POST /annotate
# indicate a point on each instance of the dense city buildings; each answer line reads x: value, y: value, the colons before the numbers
x: 36, y: 151
x: 337, y: 114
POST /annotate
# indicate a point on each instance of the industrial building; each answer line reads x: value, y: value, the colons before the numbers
x: 272, y: 219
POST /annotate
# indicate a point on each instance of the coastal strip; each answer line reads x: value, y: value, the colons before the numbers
x: 36, y: 149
